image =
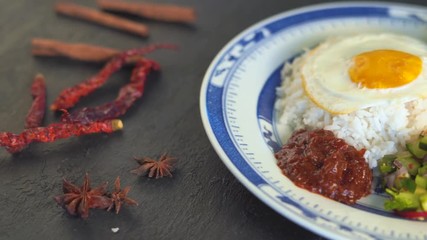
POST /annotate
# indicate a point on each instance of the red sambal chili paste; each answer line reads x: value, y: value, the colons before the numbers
x: 324, y: 164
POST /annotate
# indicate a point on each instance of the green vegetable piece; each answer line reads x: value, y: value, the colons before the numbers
x: 415, y: 150
x: 420, y: 190
x: 423, y: 201
x: 423, y: 143
x: 400, y: 182
x: 403, y: 154
x: 421, y: 181
x: 410, y: 164
x: 402, y: 201
x: 386, y: 164
x: 409, y: 184
x: 422, y: 170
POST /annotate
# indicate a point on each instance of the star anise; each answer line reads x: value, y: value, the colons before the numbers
x: 78, y: 200
x: 119, y: 197
x: 152, y: 168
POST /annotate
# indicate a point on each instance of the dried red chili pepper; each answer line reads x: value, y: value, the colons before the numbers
x: 128, y: 94
x: 78, y: 200
x: 70, y: 96
x: 36, y: 113
x: 16, y: 142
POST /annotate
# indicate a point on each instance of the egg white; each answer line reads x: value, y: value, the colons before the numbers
x: 327, y: 83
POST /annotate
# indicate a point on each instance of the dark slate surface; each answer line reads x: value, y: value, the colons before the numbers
x: 202, y: 201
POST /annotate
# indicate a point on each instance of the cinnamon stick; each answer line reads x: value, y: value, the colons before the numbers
x: 105, y: 19
x: 161, y: 12
x: 76, y: 51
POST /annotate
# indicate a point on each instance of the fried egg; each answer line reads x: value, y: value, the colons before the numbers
x: 345, y: 74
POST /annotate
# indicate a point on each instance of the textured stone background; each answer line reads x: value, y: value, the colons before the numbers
x: 202, y: 201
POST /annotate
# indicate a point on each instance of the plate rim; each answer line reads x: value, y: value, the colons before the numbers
x: 215, y: 142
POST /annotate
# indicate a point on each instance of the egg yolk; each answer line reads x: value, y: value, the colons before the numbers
x: 384, y: 69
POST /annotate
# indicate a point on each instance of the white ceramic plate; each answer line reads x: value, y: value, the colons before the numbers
x: 237, y: 98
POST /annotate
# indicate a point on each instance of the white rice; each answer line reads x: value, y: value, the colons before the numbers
x: 380, y: 130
